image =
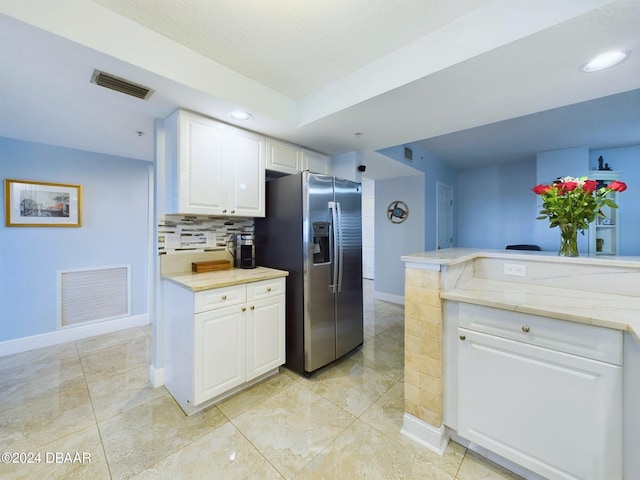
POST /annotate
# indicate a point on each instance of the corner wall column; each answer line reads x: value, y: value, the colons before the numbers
x: 423, y: 361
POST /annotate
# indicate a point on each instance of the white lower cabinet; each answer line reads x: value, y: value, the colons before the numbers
x: 220, y: 359
x: 265, y: 336
x: 219, y: 340
x: 554, y: 413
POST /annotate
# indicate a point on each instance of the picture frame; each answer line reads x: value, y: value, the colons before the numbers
x: 30, y: 203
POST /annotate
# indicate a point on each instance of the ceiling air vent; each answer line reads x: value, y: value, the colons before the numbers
x: 120, y: 85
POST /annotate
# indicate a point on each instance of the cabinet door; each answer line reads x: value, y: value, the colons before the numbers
x: 556, y: 414
x: 200, y: 166
x: 265, y: 335
x: 316, y: 162
x: 283, y: 157
x: 245, y: 174
x: 220, y: 352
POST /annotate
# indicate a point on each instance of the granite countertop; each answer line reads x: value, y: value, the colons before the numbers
x: 198, y: 282
x: 619, y: 312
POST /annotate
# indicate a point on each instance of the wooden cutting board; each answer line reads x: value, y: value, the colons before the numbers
x: 210, y: 266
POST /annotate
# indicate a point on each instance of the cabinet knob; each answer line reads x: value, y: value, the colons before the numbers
x: 268, y: 289
x: 224, y: 211
x: 526, y: 329
x: 253, y: 307
x: 224, y: 297
x: 233, y: 211
x: 244, y: 309
x: 463, y: 337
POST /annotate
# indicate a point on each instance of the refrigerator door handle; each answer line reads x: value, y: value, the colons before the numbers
x: 334, y: 260
x: 340, y: 249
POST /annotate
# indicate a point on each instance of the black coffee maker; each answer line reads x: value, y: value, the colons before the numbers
x: 245, y: 250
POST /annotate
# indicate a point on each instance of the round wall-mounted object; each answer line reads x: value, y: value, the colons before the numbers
x: 397, y: 211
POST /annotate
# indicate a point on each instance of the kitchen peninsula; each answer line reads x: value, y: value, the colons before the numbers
x: 530, y: 358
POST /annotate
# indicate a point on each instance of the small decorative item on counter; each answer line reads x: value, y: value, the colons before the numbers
x: 571, y: 204
x: 210, y: 266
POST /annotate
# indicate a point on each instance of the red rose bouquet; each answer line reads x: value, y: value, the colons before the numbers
x: 572, y: 204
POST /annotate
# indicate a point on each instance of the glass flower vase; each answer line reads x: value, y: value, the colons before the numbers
x: 568, y: 241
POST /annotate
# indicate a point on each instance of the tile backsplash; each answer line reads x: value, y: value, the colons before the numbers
x: 196, y: 233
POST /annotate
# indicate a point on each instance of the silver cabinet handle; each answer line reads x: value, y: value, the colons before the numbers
x: 526, y: 329
x: 224, y: 297
x: 463, y: 337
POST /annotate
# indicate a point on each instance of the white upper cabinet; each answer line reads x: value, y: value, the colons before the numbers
x: 316, y: 162
x: 288, y: 158
x: 245, y: 174
x: 283, y: 157
x: 213, y: 168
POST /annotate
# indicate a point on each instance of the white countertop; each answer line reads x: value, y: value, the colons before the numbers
x: 452, y: 256
x: 564, y: 288
x: 619, y: 312
x: 197, y: 282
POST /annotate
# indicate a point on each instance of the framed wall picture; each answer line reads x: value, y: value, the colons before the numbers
x: 41, y: 204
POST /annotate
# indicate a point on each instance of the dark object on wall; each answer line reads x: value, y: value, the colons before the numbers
x: 523, y: 247
x: 397, y: 211
x: 362, y: 168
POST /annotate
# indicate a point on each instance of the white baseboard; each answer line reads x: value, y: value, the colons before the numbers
x: 389, y: 297
x: 503, y: 462
x: 70, y: 334
x: 435, y: 439
x: 156, y: 376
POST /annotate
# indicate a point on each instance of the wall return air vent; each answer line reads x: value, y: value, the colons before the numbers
x: 121, y: 85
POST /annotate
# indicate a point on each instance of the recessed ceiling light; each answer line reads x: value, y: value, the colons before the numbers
x: 604, y: 60
x: 240, y: 116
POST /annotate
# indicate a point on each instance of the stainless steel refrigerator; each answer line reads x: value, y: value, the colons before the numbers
x: 313, y: 229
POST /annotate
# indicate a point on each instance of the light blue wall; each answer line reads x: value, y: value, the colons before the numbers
x: 345, y: 166
x: 496, y: 205
x: 627, y: 161
x: 434, y: 171
x: 394, y: 240
x: 114, y: 232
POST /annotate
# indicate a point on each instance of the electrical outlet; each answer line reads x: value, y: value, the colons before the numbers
x: 513, y: 269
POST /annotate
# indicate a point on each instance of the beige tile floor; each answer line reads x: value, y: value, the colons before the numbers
x: 92, y: 398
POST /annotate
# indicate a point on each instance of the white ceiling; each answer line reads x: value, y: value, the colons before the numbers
x: 474, y: 81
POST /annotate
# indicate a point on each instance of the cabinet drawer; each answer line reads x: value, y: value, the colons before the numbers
x: 265, y: 289
x: 588, y: 341
x: 218, y: 298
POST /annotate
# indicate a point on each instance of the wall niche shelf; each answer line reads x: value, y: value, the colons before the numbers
x: 604, y: 233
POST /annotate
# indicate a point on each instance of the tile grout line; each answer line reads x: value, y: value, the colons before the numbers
x: 93, y: 409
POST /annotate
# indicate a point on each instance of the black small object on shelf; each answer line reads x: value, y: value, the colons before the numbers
x: 600, y: 162
x: 524, y: 247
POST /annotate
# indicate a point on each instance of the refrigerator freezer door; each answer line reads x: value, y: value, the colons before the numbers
x: 349, y: 326
x: 319, y: 315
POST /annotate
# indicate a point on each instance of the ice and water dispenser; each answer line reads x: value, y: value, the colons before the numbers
x: 321, y: 242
